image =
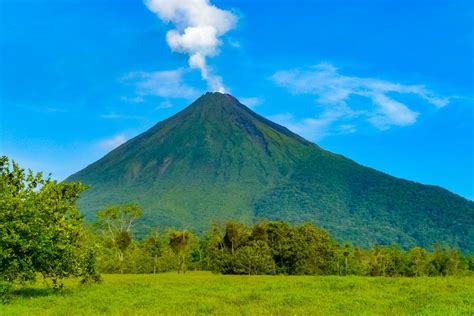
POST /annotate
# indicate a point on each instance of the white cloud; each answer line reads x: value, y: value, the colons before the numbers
x: 251, y: 102
x: 166, y: 84
x: 164, y: 105
x: 199, y: 25
x: 312, y: 128
x: 234, y: 43
x: 137, y: 99
x: 333, y: 92
x: 111, y: 116
x: 113, y: 142
x: 117, y: 116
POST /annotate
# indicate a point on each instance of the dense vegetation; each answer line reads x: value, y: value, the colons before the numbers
x: 271, y: 248
x: 217, y: 160
x: 203, y: 293
x: 41, y: 229
x: 43, y: 233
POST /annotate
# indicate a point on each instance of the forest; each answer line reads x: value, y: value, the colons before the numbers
x: 44, y: 235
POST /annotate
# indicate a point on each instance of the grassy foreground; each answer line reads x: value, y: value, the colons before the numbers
x: 205, y: 293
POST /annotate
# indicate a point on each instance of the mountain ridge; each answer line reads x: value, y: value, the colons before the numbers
x: 217, y: 160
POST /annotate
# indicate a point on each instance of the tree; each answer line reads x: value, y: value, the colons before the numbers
x: 439, y: 260
x: 417, y: 259
x: 235, y: 235
x: 154, y: 246
x: 280, y: 236
x: 218, y: 258
x: 259, y: 232
x: 41, y: 228
x: 117, y: 222
x: 454, y: 262
x: 344, y: 257
x: 379, y: 262
x: 180, y: 242
x: 314, y: 251
x: 254, y: 258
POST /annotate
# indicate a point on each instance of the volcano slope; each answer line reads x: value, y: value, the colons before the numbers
x: 217, y: 160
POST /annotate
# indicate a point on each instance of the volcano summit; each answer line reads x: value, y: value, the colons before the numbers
x: 218, y: 160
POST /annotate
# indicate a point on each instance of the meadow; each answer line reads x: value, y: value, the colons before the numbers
x: 204, y: 293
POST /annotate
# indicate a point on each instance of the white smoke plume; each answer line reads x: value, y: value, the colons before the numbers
x: 198, y: 26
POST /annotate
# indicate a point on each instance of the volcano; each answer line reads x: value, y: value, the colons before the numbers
x: 217, y: 160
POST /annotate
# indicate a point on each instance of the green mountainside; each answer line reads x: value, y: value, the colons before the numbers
x: 217, y: 160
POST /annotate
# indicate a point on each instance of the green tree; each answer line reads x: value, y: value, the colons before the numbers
x: 235, y: 235
x: 417, y: 260
x: 259, y: 232
x: 344, y: 259
x: 380, y: 262
x: 454, y: 262
x: 41, y: 228
x: 439, y: 260
x: 314, y: 251
x: 254, y: 258
x: 218, y: 258
x: 154, y: 247
x: 280, y: 241
x: 180, y: 242
x: 116, y: 223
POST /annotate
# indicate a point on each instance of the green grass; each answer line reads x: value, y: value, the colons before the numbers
x: 203, y: 293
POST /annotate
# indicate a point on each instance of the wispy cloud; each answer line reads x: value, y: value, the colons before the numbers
x: 136, y: 99
x: 112, y: 142
x: 43, y: 109
x: 117, y: 116
x: 333, y: 92
x: 198, y: 28
x: 251, y: 102
x: 166, y: 84
x: 164, y: 105
x: 313, y: 128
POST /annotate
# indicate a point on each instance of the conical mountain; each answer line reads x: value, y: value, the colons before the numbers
x: 218, y: 160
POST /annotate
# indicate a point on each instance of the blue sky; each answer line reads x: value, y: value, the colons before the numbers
x: 388, y: 84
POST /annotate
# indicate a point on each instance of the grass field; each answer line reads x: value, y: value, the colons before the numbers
x: 203, y: 293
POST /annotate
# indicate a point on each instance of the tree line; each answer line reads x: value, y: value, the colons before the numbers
x: 43, y: 233
x: 271, y: 247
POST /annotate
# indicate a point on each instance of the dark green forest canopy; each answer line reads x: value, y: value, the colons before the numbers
x: 268, y: 247
x: 217, y: 160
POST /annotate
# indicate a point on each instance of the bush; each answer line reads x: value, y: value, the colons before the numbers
x: 5, y: 290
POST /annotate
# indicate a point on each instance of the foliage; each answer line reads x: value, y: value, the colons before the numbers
x: 271, y: 247
x: 180, y: 242
x: 254, y: 258
x: 116, y: 223
x: 41, y: 228
x: 153, y: 245
x: 5, y: 291
x: 274, y: 248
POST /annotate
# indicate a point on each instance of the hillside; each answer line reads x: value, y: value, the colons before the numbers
x: 217, y: 160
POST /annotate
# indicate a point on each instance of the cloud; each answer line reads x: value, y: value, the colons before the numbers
x: 198, y: 27
x: 251, y: 102
x: 117, y: 116
x: 166, y: 84
x: 234, y: 43
x: 43, y: 109
x: 334, y: 93
x: 312, y: 128
x: 164, y: 105
x: 137, y: 99
x: 113, y: 142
